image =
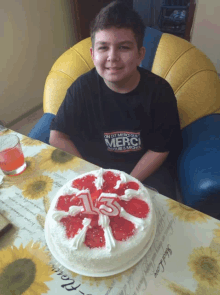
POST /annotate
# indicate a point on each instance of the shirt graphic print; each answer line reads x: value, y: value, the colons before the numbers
x: 123, y: 141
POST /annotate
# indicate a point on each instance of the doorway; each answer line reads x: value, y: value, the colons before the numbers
x: 84, y: 11
x: 169, y: 16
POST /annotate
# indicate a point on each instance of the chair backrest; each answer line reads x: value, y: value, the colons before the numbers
x: 192, y: 76
x: 190, y: 73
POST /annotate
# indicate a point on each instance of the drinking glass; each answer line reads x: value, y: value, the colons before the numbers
x: 11, y: 155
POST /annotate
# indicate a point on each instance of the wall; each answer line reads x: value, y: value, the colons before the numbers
x: 33, y: 34
x: 206, y: 30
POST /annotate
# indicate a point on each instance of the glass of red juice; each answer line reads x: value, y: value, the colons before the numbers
x: 11, y: 155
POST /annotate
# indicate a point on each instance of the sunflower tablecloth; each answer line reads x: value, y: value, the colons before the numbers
x: 184, y: 258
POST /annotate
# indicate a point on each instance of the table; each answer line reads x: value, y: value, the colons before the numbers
x: 183, y: 259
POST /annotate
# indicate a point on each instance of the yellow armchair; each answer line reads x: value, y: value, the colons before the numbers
x: 68, y: 67
x: 190, y: 72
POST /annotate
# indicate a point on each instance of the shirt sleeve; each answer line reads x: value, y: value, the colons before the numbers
x: 166, y: 132
x: 66, y: 119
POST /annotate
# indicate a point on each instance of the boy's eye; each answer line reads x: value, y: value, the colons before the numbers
x: 120, y: 47
x: 124, y: 47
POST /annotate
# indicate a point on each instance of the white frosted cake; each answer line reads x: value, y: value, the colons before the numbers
x: 100, y: 220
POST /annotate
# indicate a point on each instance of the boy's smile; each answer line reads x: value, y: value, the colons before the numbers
x: 116, y: 58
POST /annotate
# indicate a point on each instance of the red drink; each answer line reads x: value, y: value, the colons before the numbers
x: 11, y: 155
x: 11, y: 159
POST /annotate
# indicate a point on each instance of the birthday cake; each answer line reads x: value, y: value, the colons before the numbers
x: 100, y: 220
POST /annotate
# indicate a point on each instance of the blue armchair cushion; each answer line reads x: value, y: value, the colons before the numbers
x: 199, y: 165
x: 41, y: 130
x: 151, y: 41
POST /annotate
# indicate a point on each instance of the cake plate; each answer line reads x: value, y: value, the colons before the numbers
x: 79, y: 271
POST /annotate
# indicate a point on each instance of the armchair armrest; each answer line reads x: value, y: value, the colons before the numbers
x: 41, y: 130
x: 198, y: 166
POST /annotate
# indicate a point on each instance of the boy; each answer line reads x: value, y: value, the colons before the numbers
x: 118, y: 115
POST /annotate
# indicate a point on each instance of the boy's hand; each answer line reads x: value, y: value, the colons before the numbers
x: 62, y: 141
x: 148, y: 164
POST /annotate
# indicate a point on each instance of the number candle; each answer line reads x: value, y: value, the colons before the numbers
x: 87, y: 203
x: 108, y: 207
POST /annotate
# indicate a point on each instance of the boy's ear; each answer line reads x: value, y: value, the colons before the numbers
x: 91, y: 52
x: 142, y: 52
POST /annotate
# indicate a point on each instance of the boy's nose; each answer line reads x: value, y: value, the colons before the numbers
x: 113, y: 56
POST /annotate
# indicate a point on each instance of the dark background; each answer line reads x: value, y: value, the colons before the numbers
x: 84, y: 11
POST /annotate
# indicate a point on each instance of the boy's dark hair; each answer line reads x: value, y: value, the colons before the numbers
x: 118, y: 15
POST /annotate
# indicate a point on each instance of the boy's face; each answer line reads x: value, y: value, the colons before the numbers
x: 116, y: 57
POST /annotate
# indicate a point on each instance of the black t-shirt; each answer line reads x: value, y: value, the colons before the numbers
x: 114, y: 130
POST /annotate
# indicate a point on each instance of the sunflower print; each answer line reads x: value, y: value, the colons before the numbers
x: 180, y: 290
x: 205, y: 265
x: 52, y: 160
x: 37, y: 187
x: 19, y: 180
x: 46, y: 203
x: 6, y: 131
x: 217, y: 234
x: 40, y: 218
x: 27, y: 141
x: 185, y: 213
x: 25, y: 270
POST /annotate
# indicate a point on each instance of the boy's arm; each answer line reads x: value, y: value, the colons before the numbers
x: 148, y: 164
x: 62, y: 141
